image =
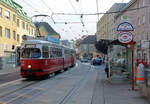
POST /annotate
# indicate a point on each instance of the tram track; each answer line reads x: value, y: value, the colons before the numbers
x: 14, y: 96
x: 8, y: 77
x: 16, y: 89
x: 28, y: 91
x: 74, y: 90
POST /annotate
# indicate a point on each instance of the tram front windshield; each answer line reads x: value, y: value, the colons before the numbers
x: 31, y: 53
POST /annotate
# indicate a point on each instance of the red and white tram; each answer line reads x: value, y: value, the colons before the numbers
x: 40, y: 58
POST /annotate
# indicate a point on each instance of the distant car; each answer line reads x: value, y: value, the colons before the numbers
x: 96, y: 61
x: 84, y: 59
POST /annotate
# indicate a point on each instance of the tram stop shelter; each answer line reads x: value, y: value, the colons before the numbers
x: 120, y: 59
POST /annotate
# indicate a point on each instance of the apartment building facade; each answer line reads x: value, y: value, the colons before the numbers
x: 10, y: 32
x: 106, y: 26
x: 136, y: 13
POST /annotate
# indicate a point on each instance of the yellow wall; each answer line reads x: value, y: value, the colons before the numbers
x: 22, y: 31
x: 7, y: 43
x: 7, y: 23
x: 103, y: 27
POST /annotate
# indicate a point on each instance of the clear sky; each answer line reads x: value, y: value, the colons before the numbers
x: 74, y: 29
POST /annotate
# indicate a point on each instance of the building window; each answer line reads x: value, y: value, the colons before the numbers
x: 14, y: 17
x: 7, y: 33
x: 18, y: 23
x: 138, y: 4
x: 32, y: 31
x: 14, y: 35
x: 143, y: 3
x: 0, y: 11
x: 0, y: 31
x: 18, y: 38
x: 23, y: 25
x: 27, y: 27
x: 149, y: 1
x: 138, y: 20
x: 29, y: 30
x: 143, y: 20
x: 7, y: 14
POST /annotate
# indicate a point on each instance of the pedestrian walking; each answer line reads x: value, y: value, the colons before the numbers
x: 107, y: 68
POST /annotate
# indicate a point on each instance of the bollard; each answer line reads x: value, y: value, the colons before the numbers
x: 140, y: 77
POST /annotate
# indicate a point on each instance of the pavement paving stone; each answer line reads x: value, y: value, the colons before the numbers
x: 119, y: 92
x: 9, y: 70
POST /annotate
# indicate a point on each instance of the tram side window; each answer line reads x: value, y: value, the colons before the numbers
x: 51, y: 53
x: 60, y: 52
x: 31, y: 53
x: 45, y: 52
x: 67, y: 53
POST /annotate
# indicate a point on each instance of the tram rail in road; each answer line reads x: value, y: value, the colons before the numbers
x: 9, y: 90
x: 20, y: 90
x: 74, y: 90
x: 7, y: 77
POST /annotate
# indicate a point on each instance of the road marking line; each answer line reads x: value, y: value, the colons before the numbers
x: 11, y: 82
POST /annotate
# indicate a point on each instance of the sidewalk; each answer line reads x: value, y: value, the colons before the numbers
x: 7, y: 70
x: 117, y: 91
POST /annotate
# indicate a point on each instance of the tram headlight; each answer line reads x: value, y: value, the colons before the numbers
x: 29, y: 66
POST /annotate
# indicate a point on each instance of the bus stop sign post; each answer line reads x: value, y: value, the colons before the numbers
x: 133, y: 65
x: 126, y: 37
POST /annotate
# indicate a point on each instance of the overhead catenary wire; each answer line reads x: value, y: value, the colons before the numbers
x: 111, y: 12
x: 81, y: 16
x: 50, y: 10
x: 79, y: 4
x: 72, y: 6
x: 28, y: 4
x: 97, y: 9
x: 47, y: 6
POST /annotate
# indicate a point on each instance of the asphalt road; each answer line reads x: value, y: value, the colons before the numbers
x: 4, y: 78
x: 74, y: 86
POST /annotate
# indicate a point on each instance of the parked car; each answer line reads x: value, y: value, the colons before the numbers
x: 96, y: 61
x: 84, y: 59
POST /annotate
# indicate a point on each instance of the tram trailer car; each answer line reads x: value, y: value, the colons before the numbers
x: 40, y: 58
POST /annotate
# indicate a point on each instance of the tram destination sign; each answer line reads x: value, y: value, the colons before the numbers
x: 125, y: 26
x: 125, y: 37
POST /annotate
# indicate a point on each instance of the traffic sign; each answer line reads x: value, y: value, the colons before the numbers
x: 125, y: 37
x: 125, y: 26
